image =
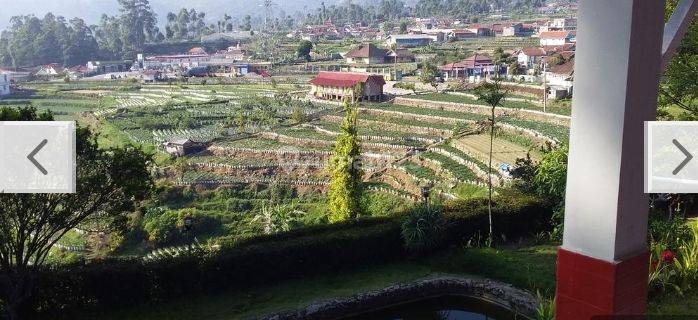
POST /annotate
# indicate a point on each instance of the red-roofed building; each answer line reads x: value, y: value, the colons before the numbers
x: 475, y: 65
x: 197, y: 50
x: 529, y: 57
x: 559, y: 49
x: 462, y: 34
x: 560, y: 79
x: 555, y: 38
x: 347, y: 85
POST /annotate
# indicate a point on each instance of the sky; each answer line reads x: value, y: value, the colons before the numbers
x: 91, y: 10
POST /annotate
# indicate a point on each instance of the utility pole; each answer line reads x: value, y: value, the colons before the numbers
x: 545, y: 86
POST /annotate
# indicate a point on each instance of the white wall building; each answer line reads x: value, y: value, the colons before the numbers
x: 555, y: 38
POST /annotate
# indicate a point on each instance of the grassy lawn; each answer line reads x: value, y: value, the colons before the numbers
x: 686, y: 305
x: 532, y: 268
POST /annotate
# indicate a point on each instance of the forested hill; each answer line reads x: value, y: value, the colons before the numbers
x: 92, y: 10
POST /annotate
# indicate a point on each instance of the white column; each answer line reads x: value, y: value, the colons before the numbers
x: 617, y: 70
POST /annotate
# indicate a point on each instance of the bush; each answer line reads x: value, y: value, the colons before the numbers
x: 422, y: 229
x: 242, y: 262
x: 669, y: 233
x: 673, y: 259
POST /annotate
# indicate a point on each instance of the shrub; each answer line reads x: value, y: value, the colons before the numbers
x: 668, y: 233
x: 422, y: 229
x: 242, y: 262
x: 673, y: 268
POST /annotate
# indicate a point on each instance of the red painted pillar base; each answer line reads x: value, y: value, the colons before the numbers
x: 589, y: 287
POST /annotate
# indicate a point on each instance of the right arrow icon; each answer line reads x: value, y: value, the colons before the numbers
x: 688, y: 158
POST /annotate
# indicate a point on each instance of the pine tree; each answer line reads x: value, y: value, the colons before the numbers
x: 345, y: 169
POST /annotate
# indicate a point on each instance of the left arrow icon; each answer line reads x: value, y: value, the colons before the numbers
x: 34, y: 152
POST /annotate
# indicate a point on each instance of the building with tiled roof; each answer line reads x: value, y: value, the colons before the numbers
x: 555, y: 38
x: 366, y: 54
x: 529, y: 57
x: 560, y: 79
x: 350, y: 86
x: 475, y: 65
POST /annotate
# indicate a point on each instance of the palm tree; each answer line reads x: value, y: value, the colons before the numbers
x: 493, y: 94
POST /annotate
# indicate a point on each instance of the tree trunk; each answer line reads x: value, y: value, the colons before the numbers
x: 489, y: 177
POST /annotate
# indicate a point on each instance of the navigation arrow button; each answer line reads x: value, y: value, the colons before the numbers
x: 685, y: 161
x: 33, y: 153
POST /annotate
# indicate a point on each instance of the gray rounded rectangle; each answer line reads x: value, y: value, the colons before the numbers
x: 670, y: 163
x: 37, y: 156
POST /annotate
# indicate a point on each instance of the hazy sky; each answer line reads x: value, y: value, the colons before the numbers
x: 91, y: 10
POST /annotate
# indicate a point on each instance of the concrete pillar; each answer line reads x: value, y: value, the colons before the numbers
x: 603, y: 262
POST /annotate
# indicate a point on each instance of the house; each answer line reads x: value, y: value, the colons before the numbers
x: 179, y: 61
x: 235, y: 53
x: 181, y: 147
x: 513, y: 30
x: 76, y: 72
x: 151, y: 76
x: 555, y: 38
x: 567, y: 47
x: 481, y: 30
x: 4, y: 85
x: 243, y: 68
x: 102, y: 67
x: 366, y: 54
x: 530, y: 57
x: 410, y: 40
x: 560, y: 24
x: 475, y: 65
x: 347, y: 86
x: 197, y: 51
x: 400, y: 55
x: 462, y: 34
x: 49, y: 70
x: 560, y: 79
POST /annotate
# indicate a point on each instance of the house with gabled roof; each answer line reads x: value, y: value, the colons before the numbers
x: 341, y: 86
x: 475, y: 65
x: 560, y: 78
x: 530, y: 57
x: 366, y: 54
x: 555, y: 38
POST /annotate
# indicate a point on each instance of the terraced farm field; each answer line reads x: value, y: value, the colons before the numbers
x: 256, y: 133
x: 479, y: 145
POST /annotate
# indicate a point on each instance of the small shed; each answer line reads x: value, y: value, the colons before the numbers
x: 181, y: 147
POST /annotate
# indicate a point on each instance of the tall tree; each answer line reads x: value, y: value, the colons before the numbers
x: 108, y: 184
x: 429, y: 75
x: 304, y: 48
x: 137, y: 24
x: 493, y: 94
x: 346, y: 187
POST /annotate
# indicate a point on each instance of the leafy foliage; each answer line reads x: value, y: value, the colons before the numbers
x: 32, y: 41
x: 680, y: 87
x: 304, y: 48
x: 345, y: 169
x: 109, y: 182
x: 429, y: 74
x: 242, y: 262
x: 422, y: 229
